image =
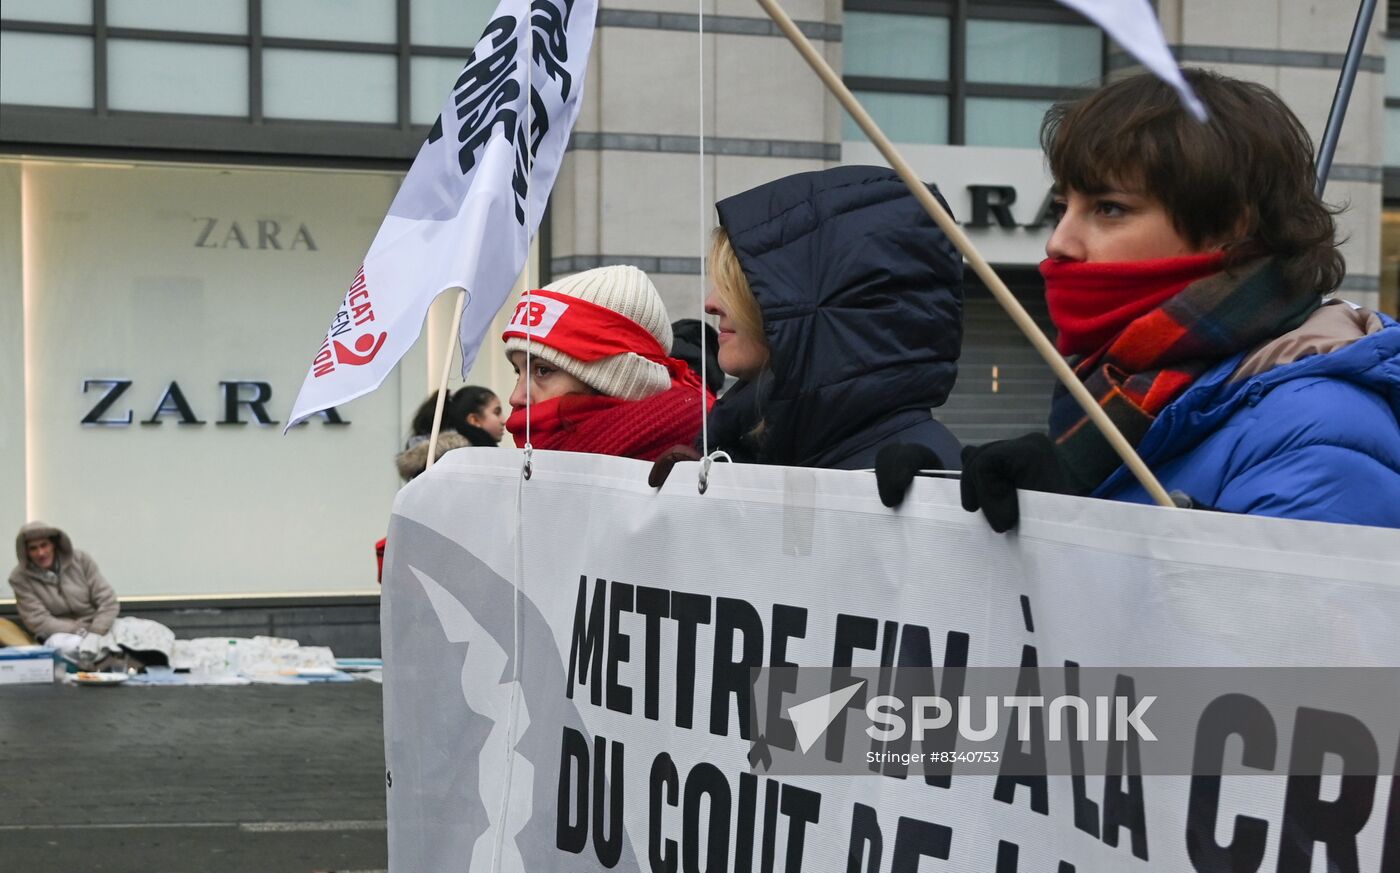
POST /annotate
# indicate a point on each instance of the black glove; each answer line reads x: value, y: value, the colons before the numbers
x: 661, y: 467
x: 895, y: 468
x: 992, y: 473
x: 1186, y: 501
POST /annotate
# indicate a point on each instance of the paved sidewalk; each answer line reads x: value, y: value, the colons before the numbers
x: 192, y: 780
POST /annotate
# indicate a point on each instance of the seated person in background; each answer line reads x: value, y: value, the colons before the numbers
x: 66, y: 603
x: 1186, y: 277
x: 840, y: 312
x: 600, y: 377
x: 471, y: 417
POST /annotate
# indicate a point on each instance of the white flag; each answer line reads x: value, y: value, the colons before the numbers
x: 461, y: 218
x: 1133, y: 25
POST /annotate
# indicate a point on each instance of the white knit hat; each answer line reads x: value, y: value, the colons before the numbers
x: 627, y: 291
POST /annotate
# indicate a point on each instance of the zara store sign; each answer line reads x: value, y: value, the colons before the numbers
x: 1000, y: 195
x: 235, y: 398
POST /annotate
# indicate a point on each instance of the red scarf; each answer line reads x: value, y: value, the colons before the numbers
x: 1091, y: 303
x: 641, y: 429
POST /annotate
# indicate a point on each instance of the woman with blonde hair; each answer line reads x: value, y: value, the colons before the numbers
x: 840, y: 312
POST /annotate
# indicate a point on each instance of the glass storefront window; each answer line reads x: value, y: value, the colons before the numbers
x: 1392, y: 136
x: 448, y: 22
x: 200, y: 277
x: 330, y: 86
x: 151, y: 76
x: 1390, y: 262
x: 430, y: 80
x: 895, y: 46
x: 55, y: 11
x: 1005, y: 122
x: 42, y: 69
x: 907, y: 118
x: 1392, y: 68
x: 206, y: 16
x: 349, y: 20
x: 1024, y: 53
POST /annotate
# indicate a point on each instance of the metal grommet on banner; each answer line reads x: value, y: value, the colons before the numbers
x: 528, y: 468
x: 705, y: 463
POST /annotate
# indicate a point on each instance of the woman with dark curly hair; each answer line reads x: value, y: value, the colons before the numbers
x: 1187, y: 277
x: 470, y: 417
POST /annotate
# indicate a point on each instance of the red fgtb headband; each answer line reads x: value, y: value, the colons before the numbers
x: 580, y: 329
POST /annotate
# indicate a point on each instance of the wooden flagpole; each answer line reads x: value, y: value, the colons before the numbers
x: 979, y: 264
x: 452, y: 342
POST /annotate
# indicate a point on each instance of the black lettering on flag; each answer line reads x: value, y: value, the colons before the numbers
x: 867, y: 844
x: 915, y: 839
x: 607, y: 845
x: 1307, y: 818
x: 571, y: 833
x: 586, y: 650
x: 852, y: 632
x: 1390, y: 839
x: 1028, y: 767
x: 743, y: 834
x: 705, y: 780
x: 1008, y: 857
x: 550, y: 25
x: 481, y: 134
x: 732, y: 677
x: 1086, y: 811
x: 1124, y: 809
x: 802, y: 807
x: 526, y: 149
x: 770, y: 826
x: 789, y: 622
x: 1227, y: 715
x: 655, y: 604
x: 619, y: 648
x: 688, y: 611
x: 485, y: 92
x: 661, y: 854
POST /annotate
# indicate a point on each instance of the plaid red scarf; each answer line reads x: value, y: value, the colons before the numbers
x: 1157, y: 356
x: 641, y: 429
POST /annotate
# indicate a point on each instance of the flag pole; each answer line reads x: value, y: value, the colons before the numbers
x: 446, y: 368
x: 979, y: 264
x: 1352, y: 62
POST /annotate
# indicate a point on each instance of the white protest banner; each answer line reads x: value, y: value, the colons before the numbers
x: 567, y: 658
x: 1133, y: 25
x: 462, y: 218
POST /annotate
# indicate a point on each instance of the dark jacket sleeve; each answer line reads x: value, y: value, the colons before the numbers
x: 103, y: 597
x: 35, y: 615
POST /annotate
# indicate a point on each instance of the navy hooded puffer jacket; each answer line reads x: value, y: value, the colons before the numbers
x: 861, y: 296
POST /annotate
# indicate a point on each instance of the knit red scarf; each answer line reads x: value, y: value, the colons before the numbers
x: 1091, y: 303
x: 641, y: 429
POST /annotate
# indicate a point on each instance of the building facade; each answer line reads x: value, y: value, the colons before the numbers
x: 185, y: 190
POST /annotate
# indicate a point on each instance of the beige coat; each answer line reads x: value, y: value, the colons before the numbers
x: 71, y: 597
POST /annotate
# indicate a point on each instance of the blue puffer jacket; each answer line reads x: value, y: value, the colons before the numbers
x: 1316, y: 439
x: 861, y: 296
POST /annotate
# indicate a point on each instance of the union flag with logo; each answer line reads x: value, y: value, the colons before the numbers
x: 470, y: 203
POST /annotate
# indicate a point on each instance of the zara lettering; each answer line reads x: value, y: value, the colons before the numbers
x: 262, y: 234
x: 236, y: 396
